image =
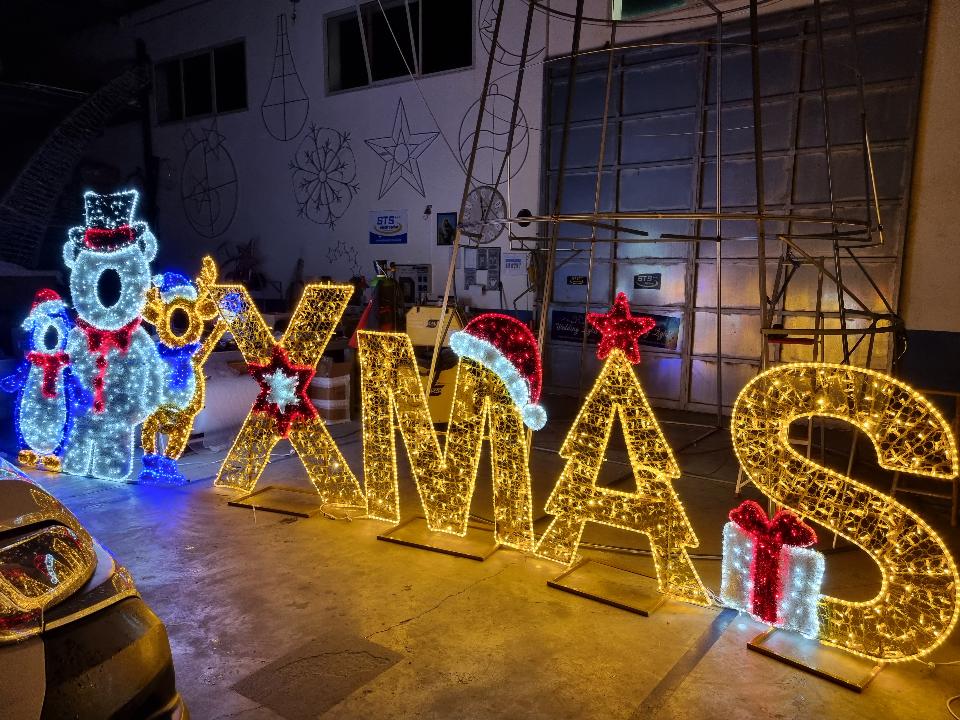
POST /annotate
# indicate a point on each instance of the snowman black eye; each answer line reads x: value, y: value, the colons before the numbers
x: 51, y: 338
x: 109, y: 285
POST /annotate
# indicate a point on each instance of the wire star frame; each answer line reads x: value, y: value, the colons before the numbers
x: 399, y: 151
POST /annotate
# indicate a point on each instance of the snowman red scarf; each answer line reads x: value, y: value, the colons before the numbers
x: 50, y: 364
x: 102, y: 342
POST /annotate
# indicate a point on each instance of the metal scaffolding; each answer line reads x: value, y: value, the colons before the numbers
x: 788, y: 236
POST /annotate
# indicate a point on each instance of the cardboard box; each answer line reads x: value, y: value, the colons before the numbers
x: 423, y: 325
x: 333, y: 412
x: 330, y: 388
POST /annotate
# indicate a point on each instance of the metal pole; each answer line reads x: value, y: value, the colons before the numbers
x: 596, y: 203
x: 558, y: 199
x: 451, y: 271
x: 828, y: 147
x: 758, y: 175
x: 719, y: 204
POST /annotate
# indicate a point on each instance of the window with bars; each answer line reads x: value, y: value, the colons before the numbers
x: 387, y: 39
x: 200, y: 84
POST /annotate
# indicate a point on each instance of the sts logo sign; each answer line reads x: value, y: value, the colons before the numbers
x: 388, y: 227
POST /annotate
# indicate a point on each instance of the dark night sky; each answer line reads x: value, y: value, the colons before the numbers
x: 33, y: 34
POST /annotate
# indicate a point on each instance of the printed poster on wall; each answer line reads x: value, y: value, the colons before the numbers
x: 514, y: 265
x: 388, y: 227
x: 568, y: 326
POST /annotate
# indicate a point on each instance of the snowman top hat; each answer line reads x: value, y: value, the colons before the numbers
x: 109, y: 223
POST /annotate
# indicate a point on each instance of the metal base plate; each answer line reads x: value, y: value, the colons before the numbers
x: 851, y: 671
x: 478, y: 544
x: 611, y: 585
x: 294, y: 501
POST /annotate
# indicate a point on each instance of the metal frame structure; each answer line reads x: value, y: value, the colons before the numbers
x: 845, y: 234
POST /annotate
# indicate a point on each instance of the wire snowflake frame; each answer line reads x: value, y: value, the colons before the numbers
x: 917, y: 605
x: 324, y: 171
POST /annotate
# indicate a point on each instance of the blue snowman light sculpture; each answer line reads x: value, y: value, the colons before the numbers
x: 49, y: 396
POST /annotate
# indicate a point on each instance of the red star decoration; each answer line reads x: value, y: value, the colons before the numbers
x: 302, y: 408
x: 620, y: 329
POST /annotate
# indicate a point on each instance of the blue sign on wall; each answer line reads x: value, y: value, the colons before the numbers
x: 388, y: 227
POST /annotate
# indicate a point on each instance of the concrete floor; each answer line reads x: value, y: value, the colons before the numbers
x: 275, y: 617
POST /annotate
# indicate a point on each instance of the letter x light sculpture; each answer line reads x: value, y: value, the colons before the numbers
x: 284, y: 369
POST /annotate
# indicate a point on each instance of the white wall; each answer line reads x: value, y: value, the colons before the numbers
x: 267, y: 207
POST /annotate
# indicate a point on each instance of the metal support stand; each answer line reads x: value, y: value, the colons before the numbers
x: 838, y: 666
x: 294, y: 501
x: 478, y: 544
x: 611, y: 585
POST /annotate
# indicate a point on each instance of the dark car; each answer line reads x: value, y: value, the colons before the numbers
x: 76, y: 640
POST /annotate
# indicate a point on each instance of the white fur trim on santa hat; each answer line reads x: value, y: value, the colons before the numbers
x: 466, y: 345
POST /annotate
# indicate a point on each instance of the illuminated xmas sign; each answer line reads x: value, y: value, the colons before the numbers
x: 92, y: 375
x: 284, y: 369
x: 391, y: 388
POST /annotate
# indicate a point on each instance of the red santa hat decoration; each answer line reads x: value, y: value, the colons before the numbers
x: 506, y: 346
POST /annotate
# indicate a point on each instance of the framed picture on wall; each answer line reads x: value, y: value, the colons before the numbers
x: 446, y: 228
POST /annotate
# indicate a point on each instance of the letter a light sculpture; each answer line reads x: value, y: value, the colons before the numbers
x: 654, y: 509
x: 284, y: 369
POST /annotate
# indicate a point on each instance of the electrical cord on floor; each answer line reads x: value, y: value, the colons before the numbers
x: 954, y: 698
x: 612, y: 548
x: 342, y: 506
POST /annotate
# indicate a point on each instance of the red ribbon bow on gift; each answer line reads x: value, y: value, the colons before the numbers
x: 769, y: 537
x: 102, y: 342
x: 50, y: 363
